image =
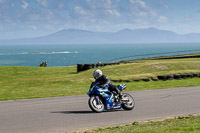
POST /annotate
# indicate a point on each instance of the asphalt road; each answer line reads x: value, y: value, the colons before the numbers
x: 64, y: 114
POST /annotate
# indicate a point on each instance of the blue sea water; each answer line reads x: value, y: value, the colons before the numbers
x: 66, y: 55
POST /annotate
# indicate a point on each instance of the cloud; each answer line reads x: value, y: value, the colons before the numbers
x: 44, y: 3
x: 141, y: 14
x: 24, y: 5
x: 138, y: 3
x: 189, y: 18
x: 140, y: 11
x: 34, y: 17
x: 2, y: 1
x: 98, y: 4
x: 85, y: 11
x: 141, y: 3
x: 132, y: 1
x: 162, y: 19
x: 153, y: 13
x: 165, y: 6
x: 80, y: 10
x: 93, y: 11
x: 54, y: 15
x: 33, y: 27
x: 114, y: 13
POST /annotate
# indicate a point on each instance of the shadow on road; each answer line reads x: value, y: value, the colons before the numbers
x: 84, y: 112
x: 74, y: 112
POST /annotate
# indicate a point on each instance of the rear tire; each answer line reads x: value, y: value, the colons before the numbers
x: 130, y: 104
x: 98, y: 108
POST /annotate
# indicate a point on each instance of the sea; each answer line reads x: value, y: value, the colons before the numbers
x: 69, y: 55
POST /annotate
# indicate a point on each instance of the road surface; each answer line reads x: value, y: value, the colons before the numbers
x: 71, y: 113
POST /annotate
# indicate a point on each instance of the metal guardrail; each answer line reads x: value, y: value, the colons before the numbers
x: 146, y: 56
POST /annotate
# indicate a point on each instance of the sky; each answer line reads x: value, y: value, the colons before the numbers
x: 34, y: 18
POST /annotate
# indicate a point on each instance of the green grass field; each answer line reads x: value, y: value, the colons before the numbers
x: 39, y: 82
x: 188, y: 124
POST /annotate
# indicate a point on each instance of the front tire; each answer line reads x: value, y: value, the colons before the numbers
x: 130, y: 103
x: 98, y: 108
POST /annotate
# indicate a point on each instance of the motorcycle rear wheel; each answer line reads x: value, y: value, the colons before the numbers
x: 130, y: 104
x: 94, y: 106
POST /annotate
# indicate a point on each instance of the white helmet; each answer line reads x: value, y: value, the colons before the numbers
x: 97, y: 73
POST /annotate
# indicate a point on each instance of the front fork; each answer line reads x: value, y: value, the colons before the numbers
x: 108, y: 101
x: 97, y: 100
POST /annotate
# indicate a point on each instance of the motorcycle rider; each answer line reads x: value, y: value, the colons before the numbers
x: 105, y: 81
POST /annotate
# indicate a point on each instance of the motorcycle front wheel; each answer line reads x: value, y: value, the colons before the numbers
x: 129, y: 104
x: 94, y: 106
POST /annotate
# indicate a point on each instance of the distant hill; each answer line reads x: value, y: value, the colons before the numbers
x: 75, y: 36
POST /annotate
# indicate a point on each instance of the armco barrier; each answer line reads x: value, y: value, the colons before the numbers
x: 80, y: 67
x: 83, y: 67
x: 166, y: 55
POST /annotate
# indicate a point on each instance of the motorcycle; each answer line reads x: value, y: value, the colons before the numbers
x: 102, y: 99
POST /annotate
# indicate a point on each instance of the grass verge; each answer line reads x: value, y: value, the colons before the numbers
x: 39, y: 82
x: 181, y: 124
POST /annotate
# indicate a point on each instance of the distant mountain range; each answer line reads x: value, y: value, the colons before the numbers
x: 75, y: 36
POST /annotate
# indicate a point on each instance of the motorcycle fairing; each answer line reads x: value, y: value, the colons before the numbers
x: 105, y: 94
x: 121, y: 87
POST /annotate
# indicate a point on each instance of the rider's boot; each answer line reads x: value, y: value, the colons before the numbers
x: 119, y: 93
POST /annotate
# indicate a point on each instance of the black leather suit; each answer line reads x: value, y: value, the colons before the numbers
x: 104, y: 81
